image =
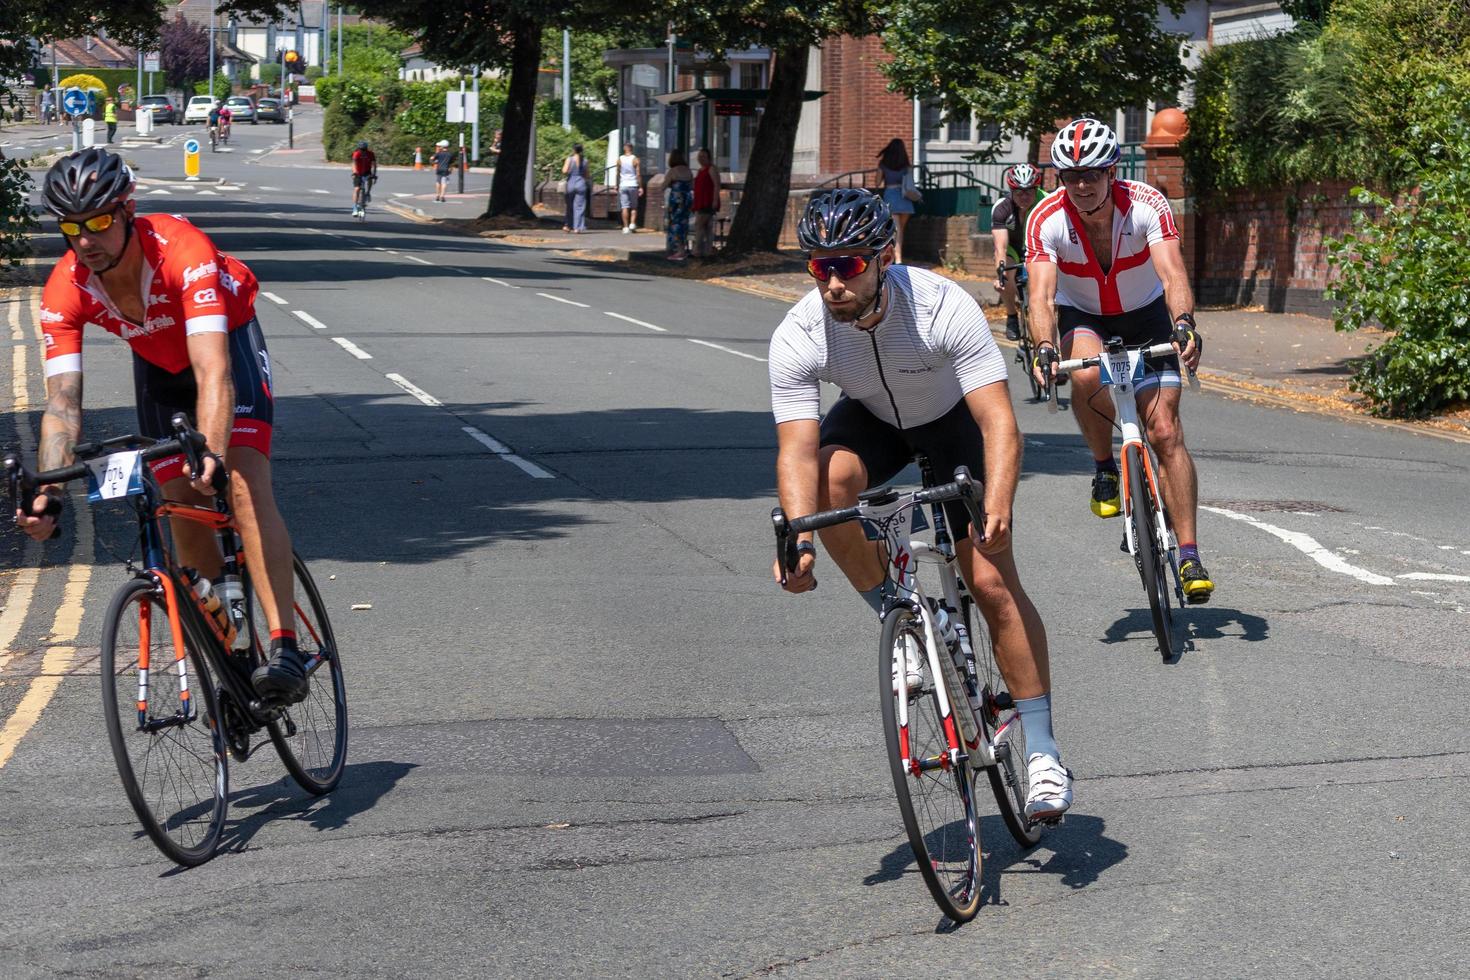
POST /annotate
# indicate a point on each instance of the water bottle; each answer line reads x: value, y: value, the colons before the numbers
x: 204, y: 589
x: 945, y: 627
x: 232, y: 596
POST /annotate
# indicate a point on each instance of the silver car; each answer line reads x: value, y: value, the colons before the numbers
x: 241, y: 109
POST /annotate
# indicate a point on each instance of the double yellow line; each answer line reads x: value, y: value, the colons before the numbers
x: 61, y: 641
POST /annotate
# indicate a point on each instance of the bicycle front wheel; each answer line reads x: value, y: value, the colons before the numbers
x: 163, y: 724
x: 1151, y: 557
x: 311, y: 736
x: 935, y: 793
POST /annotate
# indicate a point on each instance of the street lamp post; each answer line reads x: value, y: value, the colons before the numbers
x: 566, y: 80
x: 213, y: 19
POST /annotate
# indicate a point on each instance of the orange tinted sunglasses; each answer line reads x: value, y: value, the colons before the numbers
x: 846, y: 267
x: 95, y: 224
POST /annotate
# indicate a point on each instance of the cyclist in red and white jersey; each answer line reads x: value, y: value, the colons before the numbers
x: 188, y: 312
x: 1104, y: 261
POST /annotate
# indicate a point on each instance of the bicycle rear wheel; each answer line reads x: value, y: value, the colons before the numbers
x: 163, y: 727
x: 1152, y: 567
x: 311, y: 736
x: 1009, y: 780
x: 935, y: 795
x: 1036, y: 389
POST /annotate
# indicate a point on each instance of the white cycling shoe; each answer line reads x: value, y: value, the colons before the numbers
x: 1050, y: 788
x: 913, y: 667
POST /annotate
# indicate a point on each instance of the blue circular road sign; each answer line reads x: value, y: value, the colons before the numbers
x: 74, y: 101
x: 191, y: 146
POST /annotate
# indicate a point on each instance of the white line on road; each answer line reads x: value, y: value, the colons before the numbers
x: 1308, y: 546
x: 352, y: 348
x: 415, y: 258
x: 562, y: 299
x: 160, y: 191
x: 1434, y: 577
x: 500, y: 282
x: 415, y: 390
x: 273, y: 298
x: 640, y: 323
x: 727, y: 350
x: 308, y: 318
x: 206, y: 194
x: 318, y: 190
x: 503, y: 451
x: 270, y: 188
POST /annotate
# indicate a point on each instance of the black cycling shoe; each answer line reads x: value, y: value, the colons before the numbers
x: 282, y: 679
x: 1013, y: 327
x: 1105, y: 499
x: 1195, y: 582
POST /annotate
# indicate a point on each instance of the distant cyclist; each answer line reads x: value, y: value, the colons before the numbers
x: 920, y: 373
x: 213, y: 125
x: 364, y: 173
x: 1104, y: 261
x: 1008, y: 228
x: 226, y: 116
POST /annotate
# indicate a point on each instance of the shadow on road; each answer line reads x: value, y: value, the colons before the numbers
x: 1202, y: 622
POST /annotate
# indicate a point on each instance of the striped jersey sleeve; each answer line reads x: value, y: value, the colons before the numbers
x: 795, y: 365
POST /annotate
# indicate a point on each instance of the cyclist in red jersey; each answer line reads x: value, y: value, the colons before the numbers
x: 188, y: 312
x: 364, y: 171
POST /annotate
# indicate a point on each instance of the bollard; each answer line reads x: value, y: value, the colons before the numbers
x: 291, y: 129
x: 461, y: 168
x: 418, y: 158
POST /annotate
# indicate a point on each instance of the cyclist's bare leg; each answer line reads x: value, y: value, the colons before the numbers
x: 841, y: 477
x: 263, y: 532
x: 1008, y: 295
x: 1016, y: 629
x: 1159, y: 409
x: 1087, y: 401
x: 197, y: 546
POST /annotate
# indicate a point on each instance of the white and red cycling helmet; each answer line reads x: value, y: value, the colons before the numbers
x: 1022, y: 176
x: 1085, y: 144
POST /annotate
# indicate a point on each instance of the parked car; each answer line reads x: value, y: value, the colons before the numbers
x: 270, y: 110
x: 198, y: 109
x: 160, y: 108
x: 241, y: 108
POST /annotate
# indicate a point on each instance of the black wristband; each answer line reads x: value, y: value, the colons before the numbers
x: 1185, y: 317
x: 806, y: 548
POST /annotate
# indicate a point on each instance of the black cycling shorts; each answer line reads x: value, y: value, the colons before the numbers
x: 1146, y: 325
x: 949, y: 441
x: 358, y: 180
x: 161, y: 394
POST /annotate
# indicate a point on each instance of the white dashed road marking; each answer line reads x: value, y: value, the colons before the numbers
x: 307, y: 318
x: 640, y: 323
x: 1434, y: 577
x: 727, y: 350
x: 352, y: 348
x: 415, y: 390
x: 503, y: 451
x: 273, y: 298
x: 562, y: 299
x: 415, y: 258
x: 500, y: 282
x: 1308, y: 546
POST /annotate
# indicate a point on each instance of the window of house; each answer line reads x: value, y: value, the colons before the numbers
x: 1135, y: 124
x: 989, y: 133
x: 959, y: 126
x: 931, y: 122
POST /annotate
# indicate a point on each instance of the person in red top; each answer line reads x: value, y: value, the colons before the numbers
x: 364, y: 171
x: 188, y: 312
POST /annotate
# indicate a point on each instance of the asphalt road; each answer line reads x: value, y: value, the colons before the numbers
x: 590, y: 737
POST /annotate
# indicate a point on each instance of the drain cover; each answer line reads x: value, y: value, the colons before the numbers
x: 1276, y: 506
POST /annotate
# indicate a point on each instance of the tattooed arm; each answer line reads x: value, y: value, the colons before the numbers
x: 61, y: 429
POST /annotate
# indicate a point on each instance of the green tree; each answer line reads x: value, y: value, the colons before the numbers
x: 789, y: 28
x: 1025, y: 66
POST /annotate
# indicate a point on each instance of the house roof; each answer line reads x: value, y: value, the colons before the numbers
x: 89, y: 52
x: 308, y: 12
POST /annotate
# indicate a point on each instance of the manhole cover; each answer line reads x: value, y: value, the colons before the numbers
x: 1276, y: 506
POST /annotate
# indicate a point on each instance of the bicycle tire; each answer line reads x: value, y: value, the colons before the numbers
x: 1149, y: 558
x: 1009, y: 779
x: 187, y: 840
x: 1037, y: 391
x: 948, y: 855
x: 325, y: 707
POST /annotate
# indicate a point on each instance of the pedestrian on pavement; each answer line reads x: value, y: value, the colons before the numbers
x: 48, y: 105
x: 630, y: 187
x: 578, y: 190
x: 899, y: 191
x: 706, y: 203
x: 109, y: 116
x: 680, y: 181
x: 443, y: 164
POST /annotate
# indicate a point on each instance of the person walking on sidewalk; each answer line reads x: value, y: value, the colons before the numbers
x: 1104, y: 260
x: 676, y: 217
x: 109, y: 116
x: 706, y: 203
x: 578, y: 190
x: 443, y: 164
x: 630, y: 187
x: 899, y: 192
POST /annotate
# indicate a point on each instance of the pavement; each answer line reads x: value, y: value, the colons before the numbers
x: 591, y: 738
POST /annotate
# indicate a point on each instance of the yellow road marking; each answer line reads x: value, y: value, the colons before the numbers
x: 18, y: 602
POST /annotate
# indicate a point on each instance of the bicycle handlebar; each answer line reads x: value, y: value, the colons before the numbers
x: 962, y: 488
x: 1051, y: 365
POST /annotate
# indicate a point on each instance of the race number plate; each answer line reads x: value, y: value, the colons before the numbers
x: 118, y: 475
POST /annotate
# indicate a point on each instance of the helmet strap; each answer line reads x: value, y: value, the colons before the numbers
x: 127, y: 240
x: 877, y: 307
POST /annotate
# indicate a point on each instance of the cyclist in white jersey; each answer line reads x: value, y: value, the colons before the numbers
x: 919, y: 373
x: 1104, y: 261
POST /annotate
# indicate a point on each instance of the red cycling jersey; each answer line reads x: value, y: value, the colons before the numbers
x: 188, y: 287
x: 364, y: 162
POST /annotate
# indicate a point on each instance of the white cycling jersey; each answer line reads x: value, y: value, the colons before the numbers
x: 932, y: 347
x: 1141, y: 218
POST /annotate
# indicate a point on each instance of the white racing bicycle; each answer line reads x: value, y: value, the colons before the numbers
x: 1147, y: 532
x: 946, y: 711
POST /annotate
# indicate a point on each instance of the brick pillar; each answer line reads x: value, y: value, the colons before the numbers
x: 1164, y: 169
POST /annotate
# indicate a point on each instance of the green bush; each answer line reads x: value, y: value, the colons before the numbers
x: 1407, y: 271
x: 221, y: 86
x: 17, y: 219
x: 270, y: 73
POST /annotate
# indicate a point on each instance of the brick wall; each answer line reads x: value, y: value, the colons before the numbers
x: 859, y: 114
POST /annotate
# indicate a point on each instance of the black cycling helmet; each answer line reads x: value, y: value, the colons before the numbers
x: 87, y: 180
x: 362, y: 144
x: 848, y: 217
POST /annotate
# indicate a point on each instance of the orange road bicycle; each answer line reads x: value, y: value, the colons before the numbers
x: 176, y: 666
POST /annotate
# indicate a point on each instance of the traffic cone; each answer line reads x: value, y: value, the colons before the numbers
x: 418, y: 158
